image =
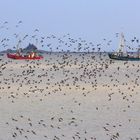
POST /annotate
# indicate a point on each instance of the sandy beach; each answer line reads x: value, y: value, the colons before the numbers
x: 69, y: 96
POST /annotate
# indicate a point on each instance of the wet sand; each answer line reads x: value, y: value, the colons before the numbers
x: 69, y: 96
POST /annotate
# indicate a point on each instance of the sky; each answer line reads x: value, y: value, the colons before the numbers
x: 91, y: 20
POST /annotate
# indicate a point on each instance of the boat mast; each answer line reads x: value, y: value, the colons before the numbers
x: 138, y: 52
x: 36, y: 42
x: 18, y: 44
x: 122, y: 44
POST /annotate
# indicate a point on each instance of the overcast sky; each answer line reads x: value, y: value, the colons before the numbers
x: 92, y: 20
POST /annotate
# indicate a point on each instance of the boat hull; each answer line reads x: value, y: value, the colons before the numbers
x: 124, y: 58
x: 14, y: 56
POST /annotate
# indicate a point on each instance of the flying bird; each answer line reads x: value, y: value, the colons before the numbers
x: 19, y: 22
x: 36, y: 30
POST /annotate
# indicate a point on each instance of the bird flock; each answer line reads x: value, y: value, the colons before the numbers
x: 69, y: 95
x: 53, y: 43
x: 75, y: 96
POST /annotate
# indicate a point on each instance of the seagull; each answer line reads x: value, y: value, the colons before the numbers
x: 19, y: 22
x: 5, y: 22
x: 36, y: 30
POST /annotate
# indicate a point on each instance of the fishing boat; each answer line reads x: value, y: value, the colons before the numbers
x: 122, y: 54
x: 32, y: 55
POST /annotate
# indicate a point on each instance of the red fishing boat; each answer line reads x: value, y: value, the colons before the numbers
x: 31, y: 56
